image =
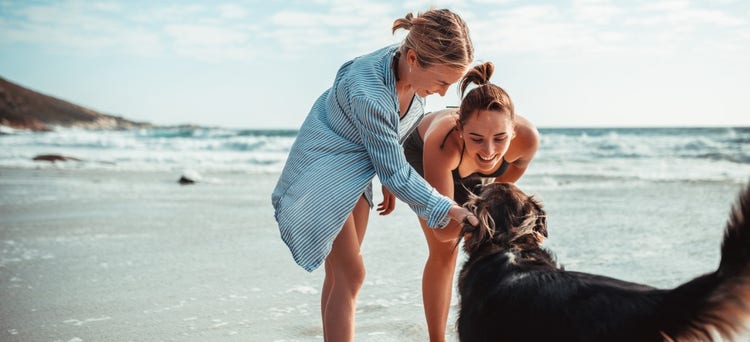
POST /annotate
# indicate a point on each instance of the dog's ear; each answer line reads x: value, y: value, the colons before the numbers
x: 541, y: 216
x: 475, y: 236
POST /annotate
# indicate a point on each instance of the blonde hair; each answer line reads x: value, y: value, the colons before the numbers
x: 486, y: 96
x: 439, y: 37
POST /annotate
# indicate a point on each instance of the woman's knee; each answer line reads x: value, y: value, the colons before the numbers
x: 352, y: 275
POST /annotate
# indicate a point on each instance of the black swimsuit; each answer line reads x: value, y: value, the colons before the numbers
x: 414, y: 150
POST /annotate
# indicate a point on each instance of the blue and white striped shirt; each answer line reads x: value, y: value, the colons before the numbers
x: 350, y: 134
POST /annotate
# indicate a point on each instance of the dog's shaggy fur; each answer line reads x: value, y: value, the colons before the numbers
x: 511, y: 288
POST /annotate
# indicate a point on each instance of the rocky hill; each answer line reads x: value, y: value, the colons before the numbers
x: 22, y: 108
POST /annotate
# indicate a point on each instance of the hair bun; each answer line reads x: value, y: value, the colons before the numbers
x: 485, y: 71
x: 479, y: 75
x: 405, y: 23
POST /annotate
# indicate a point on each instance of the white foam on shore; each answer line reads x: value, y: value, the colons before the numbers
x: 78, y: 322
x: 651, y: 154
x: 303, y: 290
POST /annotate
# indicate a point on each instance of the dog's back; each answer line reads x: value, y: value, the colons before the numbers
x: 506, y: 300
x: 512, y: 290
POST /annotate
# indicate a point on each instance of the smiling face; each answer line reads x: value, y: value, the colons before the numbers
x: 487, y: 135
x: 434, y: 79
x: 426, y: 80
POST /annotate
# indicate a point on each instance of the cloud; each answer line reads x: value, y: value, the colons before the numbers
x: 233, y: 11
x: 665, y: 6
x: 76, y: 27
x: 597, y: 12
x: 600, y: 29
x: 684, y: 14
x: 297, y: 19
x: 197, y: 32
x: 343, y: 25
x: 528, y: 29
x: 210, y: 43
x: 205, y: 35
x: 69, y: 25
x: 494, y: 2
x: 423, y: 5
x: 238, y: 31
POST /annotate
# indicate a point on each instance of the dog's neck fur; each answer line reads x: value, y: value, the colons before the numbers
x: 525, y: 250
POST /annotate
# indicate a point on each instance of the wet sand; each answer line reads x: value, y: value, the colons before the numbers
x: 98, y: 255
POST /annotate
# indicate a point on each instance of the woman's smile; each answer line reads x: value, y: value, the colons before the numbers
x: 488, y: 161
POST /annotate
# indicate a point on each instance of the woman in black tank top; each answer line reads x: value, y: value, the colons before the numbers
x: 456, y: 150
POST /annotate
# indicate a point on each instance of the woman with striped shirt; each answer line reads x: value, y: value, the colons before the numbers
x: 353, y: 132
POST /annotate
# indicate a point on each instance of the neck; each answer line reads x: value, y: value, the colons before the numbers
x: 403, y: 85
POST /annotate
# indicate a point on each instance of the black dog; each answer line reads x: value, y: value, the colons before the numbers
x: 511, y: 288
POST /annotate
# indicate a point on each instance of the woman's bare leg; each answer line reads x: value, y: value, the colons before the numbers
x: 437, y: 283
x: 345, y: 274
x: 326, y: 293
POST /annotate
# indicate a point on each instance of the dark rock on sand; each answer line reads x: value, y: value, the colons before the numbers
x: 189, y: 177
x: 22, y: 108
x: 54, y: 158
x: 184, y: 180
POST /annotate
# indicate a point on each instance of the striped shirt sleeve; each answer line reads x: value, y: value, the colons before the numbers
x: 378, y: 128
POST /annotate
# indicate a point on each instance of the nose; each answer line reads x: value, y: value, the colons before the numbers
x: 488, y: 148
x: 443, y: 90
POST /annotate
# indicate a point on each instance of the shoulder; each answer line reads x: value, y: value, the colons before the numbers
x: 438, y: 123
x: 368, y: 75
x: 525, y: 143
x: 373, y: 67
x: 441, y: 145
x: 526, y: 134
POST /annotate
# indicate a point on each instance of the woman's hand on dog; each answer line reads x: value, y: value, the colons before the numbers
x: 462, y: 215
x: 389, y: 203
x: 457, y: 213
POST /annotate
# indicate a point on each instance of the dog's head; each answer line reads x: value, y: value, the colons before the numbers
x: 507, y: 217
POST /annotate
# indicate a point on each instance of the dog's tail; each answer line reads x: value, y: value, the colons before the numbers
x: 719, y: 302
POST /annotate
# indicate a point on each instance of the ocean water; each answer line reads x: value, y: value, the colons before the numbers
x: 111, y: 248
x: 697, y: 154
x: 157, y: 149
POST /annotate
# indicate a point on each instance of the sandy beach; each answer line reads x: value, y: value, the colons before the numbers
x: 105, y: 255
x: 112, y: 256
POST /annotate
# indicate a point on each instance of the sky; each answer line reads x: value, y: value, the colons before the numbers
x: 261, y: 64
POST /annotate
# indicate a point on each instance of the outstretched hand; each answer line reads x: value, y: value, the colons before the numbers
x: 389, y: 203
x: 463, y: 215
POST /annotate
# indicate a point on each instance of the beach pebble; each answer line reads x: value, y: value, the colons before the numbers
x: 189, y: 177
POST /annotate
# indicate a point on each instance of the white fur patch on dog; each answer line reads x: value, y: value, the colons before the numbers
x: 511, y: 257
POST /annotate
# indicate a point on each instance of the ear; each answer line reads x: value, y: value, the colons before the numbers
x: 541, y: 216
x: 476, y: 236
x: 411, y: 58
